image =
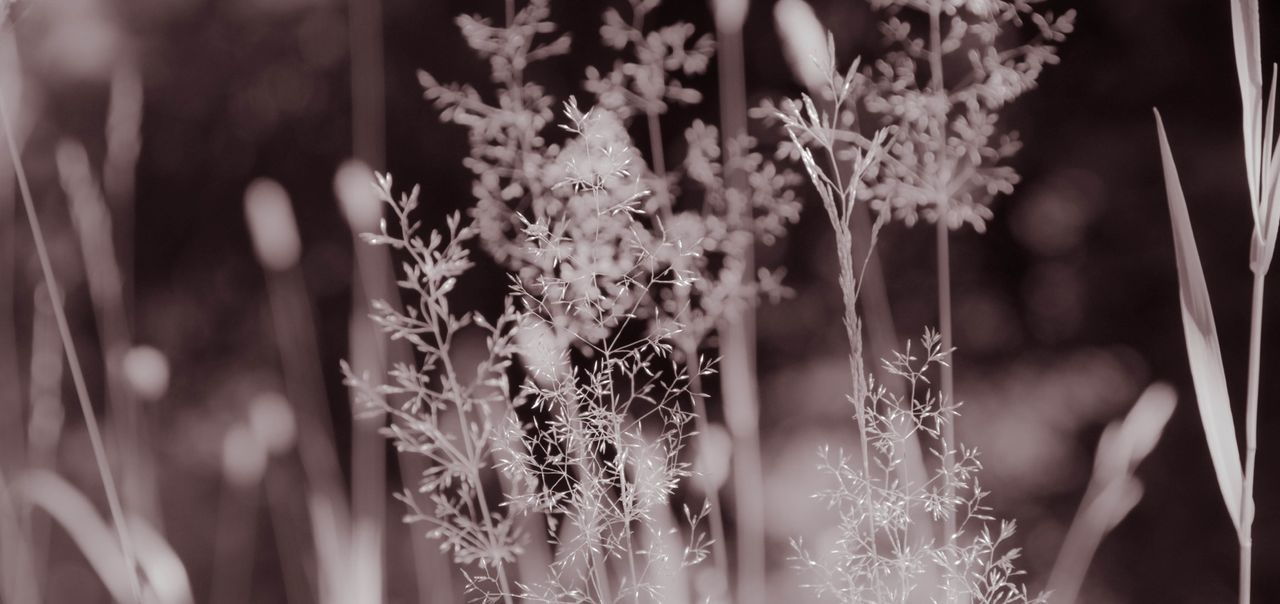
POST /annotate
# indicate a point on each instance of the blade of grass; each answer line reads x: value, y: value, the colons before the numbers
x: 73, y: 361
x: 1244, y: 32
x: 1203, y: 351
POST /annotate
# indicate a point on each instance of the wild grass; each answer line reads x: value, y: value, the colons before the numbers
x: 123, y: 537
x: 1262, y: 168
x: 594, y: 450
x: 881, y: 554
x: 575, y: 459
x: 712, y: 205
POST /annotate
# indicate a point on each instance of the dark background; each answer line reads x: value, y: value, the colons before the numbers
x: 1065, y: 308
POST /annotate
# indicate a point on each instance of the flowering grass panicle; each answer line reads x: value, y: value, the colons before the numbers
x: 528, y: 173
x: 878, y: 556
x: 437, y: 412
x: 941, y: 87
x: 902, y: 535
x: 590, y: 442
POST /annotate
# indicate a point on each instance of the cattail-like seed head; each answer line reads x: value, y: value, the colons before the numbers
x: 353, y: 184
x: 804, y: 41
x: 147, y: 371
x: 271, y: 225
x: 271, y: 419
x: 244, y: 459
x: 730, y: 14
x: 714, y: 450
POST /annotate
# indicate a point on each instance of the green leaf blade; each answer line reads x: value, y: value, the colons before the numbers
x: 1203, y: 352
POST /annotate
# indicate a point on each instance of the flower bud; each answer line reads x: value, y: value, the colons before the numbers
x: 271, y: 225
x: 353, y: 184
x: 804, y: 41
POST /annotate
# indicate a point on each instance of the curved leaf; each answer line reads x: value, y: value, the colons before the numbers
x: 1203, y: 352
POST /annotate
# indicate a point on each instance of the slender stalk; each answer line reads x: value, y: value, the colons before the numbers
x: 1251, y: 438
x: 655, y: 144
x: 290, y: 542
x: 233, y: 545
x: 947, y: 385
x: 92, y: 220
x: 73, y: 361
x: 702, y: 424
x: 12, y: 440
x: 368, y: 104
x: 695, y: 381
x: 737, y: 335
x: 47, y: 416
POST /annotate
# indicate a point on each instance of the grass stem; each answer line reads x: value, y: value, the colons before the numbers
x: 73, y: 361
x: 947, y: 385
x: 1251, y: 437
x: 738, y: 339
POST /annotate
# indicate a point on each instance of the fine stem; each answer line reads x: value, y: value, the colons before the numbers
x: 1251, y: 438
x: 741, y: 397
x: 73, y: 361
x: 946, y: 370
x: 655, y: 144
x: 712, y: 492
x: 944, y: 274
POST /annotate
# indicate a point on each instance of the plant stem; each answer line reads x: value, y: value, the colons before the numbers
x: 655, y: 144
x: 944, y: 270
x: 712, y: 491
x: 738, y: 338
x: 73, y: 361
x: 1251, y: 437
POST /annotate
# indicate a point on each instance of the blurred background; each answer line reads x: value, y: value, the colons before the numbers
x: 1065, y: 309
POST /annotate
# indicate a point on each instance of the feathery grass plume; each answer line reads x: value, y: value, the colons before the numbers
x: 522, y: 177
x: 435, y: 411
x: 947, y: 152
x: 1114, y: 488
x: 879, y: 556
x: 598, y: 459
x: 945, y: 159
x: 526, y: 181
x: 1262, y: 168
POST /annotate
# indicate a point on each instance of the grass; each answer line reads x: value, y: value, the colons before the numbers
x: 122, y: 531
x: 561, y: 449
x: 1203, y: 351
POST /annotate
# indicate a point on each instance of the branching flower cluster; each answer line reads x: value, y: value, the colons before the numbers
x: 880, y: 554
x: 941, y: 87
x: 891, y: 544
x: 593, y: 450
x: 523, y: 176
x: 939, y: 90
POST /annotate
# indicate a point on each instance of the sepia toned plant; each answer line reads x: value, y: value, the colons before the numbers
x: 680, y: 219
x: 941, y: 88
x: 1204, y: 353
x: 593, y: 448
x: 882, y: 554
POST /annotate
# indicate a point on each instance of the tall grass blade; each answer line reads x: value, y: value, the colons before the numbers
x: 1245, y: 33
x: 1203, y: 352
